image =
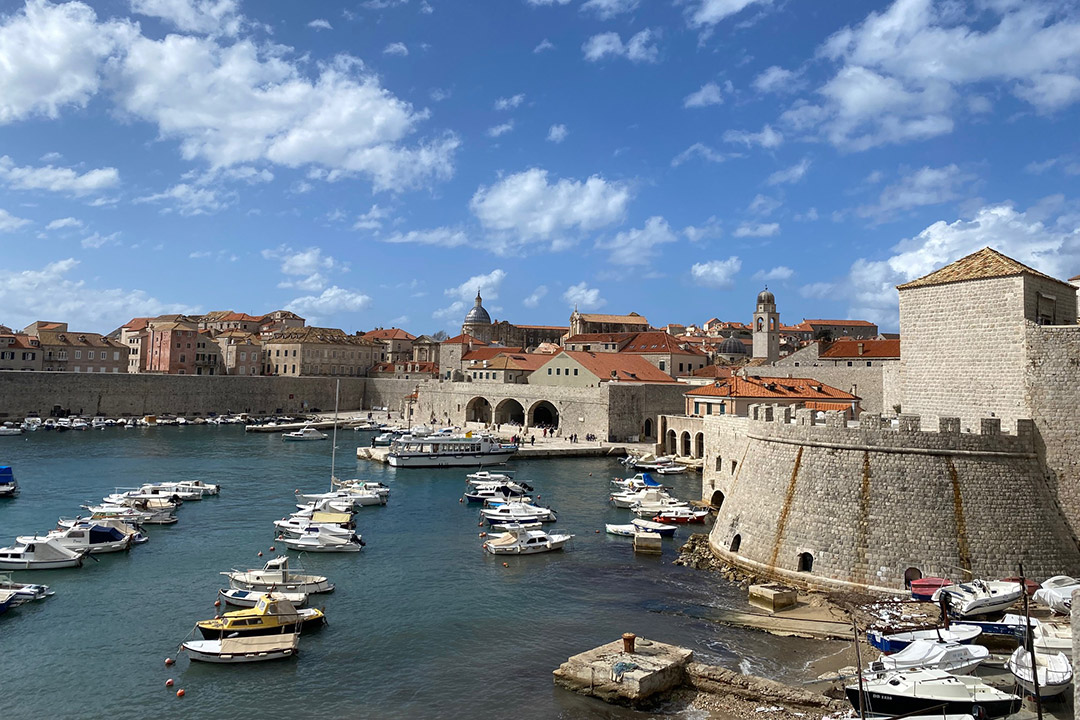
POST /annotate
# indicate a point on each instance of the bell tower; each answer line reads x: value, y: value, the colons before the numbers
x: 766, y: 327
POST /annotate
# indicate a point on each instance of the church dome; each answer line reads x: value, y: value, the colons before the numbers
x: 732, y: 346
x: 477, y: 315
x: 766, y: 298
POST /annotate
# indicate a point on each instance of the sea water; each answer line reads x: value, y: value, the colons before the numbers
x: 422, y: 624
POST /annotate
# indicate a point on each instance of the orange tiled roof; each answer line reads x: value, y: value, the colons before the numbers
x: 486, y: 353
x: 849, y: 323
x: 389, y: 334
x: 526, y: 362
x: 713, y: 371
x: 137, y: 324
x: 772, y: 388
x: 463, y: 339
x: 826, y: 406
x: 627, y: 368
x: 862, y: 349
x: 19, y: 340
x: 631, y: 319
x: 979, y: 265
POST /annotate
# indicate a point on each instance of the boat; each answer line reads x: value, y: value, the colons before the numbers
x: 356, y: 496
x: 250, y: 598
x: 935, y: 654
x: 660, y: 529
x: 640, y: 481
x: 644, y: 510
x: 1050, y: 638
x: 1056, y: 597
x: 672, y: 469
x: 1053, y: 672
x: 94, y: 539
x: 449, y: 451
x: 520, y: 541
x: 79, y: 424
x: 934, y: 692
x: 979, y: 597
x: 483, y: 477
x: 24, y: 592
x: 1011, y: 626
x: 8, y: 429
x: 374, y: 486
x: 277, y: 576
x: 895, y: 642
x: 517, y: 512
x: 503, y: 527
x: 923, y: 589
x: 184, y: 489
x: 46, y: 555
x: 98, y: 423
x: 384, y: 439
x: 318, y: 539
x: 681, y: 515
x: 9, y: 487
x: 623, y: 530
x: 504, y: 492
x: 270, y: 616
x: 297, y: 525
x: 243, y: 649
x: 653, y: 496
x: 8, y: 600
x: 306, y: 433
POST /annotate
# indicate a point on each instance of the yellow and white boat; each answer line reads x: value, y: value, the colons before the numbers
x: 270, y: 616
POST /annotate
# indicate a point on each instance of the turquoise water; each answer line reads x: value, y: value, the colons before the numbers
x: 422, y: 624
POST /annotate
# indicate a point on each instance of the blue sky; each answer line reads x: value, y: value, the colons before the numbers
x: 374, y: 163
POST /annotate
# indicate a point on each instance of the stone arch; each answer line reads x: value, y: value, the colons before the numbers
x: 543, y: 413
x: 910, y: 575
x: 736, y: 542
x: 684, y: 444
x: 699, y: 445
x: 647, y: 428
x: 670, y: 444
x: 478, y: 410
x: 717, y: 499
x: 509, y: 411
x: 806, y: 562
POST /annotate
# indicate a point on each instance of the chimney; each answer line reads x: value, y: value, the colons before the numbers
x: 861, y: 347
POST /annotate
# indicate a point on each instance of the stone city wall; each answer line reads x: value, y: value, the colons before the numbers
x: 868, y: 503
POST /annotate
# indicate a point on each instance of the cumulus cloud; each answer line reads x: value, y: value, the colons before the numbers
x: 639, y: 48
x: 763, y: 205
x: 792, y: 174
x: 331, y: 301
x: 709, y: 231
x: 10, y: 223
x: 57, y: 179
x: 304, y: 268
x: 757, y: 230
x: 61, y: 223
x: 780, y: 272
x: 639, y: 246
x: 500, y: 129
x: 320, y: 24
x: 767, y: 138
x: 557, y: 133
x: 509, y: 103
x: 607, y: 9
x: 583, y: 297
x: 372, y: 219
x: 214, y: 17
x: 716, y: 273
x: 709, y: 94
x: 396, y: 48
x: 187, y: 200
x: 775, y: 79
x: 706, y: 13
x: 535, y: 297
x: 464, y: 295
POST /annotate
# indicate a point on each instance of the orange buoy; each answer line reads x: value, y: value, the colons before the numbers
x: 479, y: 524
x: 483, y: 534
x: 169, y: 682
x: 169, y: 661
x: 506, y: 564
x: 271, y: 548
x: 217, y: 603
x: 597, y: 531
x: 461, y: 500
x: 180, y: 692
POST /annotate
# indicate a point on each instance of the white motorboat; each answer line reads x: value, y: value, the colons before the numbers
x: 1054, y: 672
x: 24, y: 592
x: 95, y: 539
x: 936, y: 655
x: 519, y: 541
x: 1051, y: 638
x: 623, y: 530
x: 448, y: 451
x: 672, y: 469
x: 46, y: 555
x: 1059, y: 581
x: 250, y: 598
x: 317, y: 539
x: 126, y: 527
x: 138, y: 512
x: 503, y: 527
x: 384, y: 439
x: 276, y: 576
x: 637, y: 483
x: 628, y: 499
x: 517, y: 512
x: 895, y: 642
x: 378, y: 488
x: 332, y: 523
x: 307, y: 433
x: 674, y: 514
x: 504, y: 492
x: 243, y: 649
x: 661, y: 529
x: 357, y: 497
x: 931, y: 691
x: 9, y: 487
x: 979, y: 597
x: 1056, y: 597
x: 10, y: 430
x: 483, y: 477
x: 184, y: 489
x: 79, y: 424
x: 98, y: 423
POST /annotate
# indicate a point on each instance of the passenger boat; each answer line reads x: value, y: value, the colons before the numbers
x: 46, y: 555
x: 307, y: 433
x: 936, y: 655
x: 681, y: 515
x: 270, y: 616
x: 250, y: 598
x: 659, y: 528
x: 277, y: 576
x: 895, y: 642
x: 1054, y: 672
x: 931, y: 691
x: 94, y: 539
x: 8, y: 485
x: 623, y: 530
x: 517, y: 512
x: 979, y: 597
x: 243, y: 649
x: 317, y: 539
x: 449, y: 451
x: 519, y: 541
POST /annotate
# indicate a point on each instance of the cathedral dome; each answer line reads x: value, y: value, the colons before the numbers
x: 732, y: 346
x: 477, y: 315
x: 766, y: 298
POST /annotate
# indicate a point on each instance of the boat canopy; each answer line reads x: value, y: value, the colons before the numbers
x: 7, y: 477
x: 648, y: 480
x: 257, y: 643
x: 104, y: 534
x: 49, y: 550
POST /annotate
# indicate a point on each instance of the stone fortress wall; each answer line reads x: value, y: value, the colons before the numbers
x: 836, y: 505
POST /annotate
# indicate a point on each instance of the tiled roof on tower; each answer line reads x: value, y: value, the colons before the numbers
x: 979, y: 265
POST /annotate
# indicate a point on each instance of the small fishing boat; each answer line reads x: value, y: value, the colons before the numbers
x: 517, y: 512
x: 357, y: 496
x: 243, y: 649
x: 250, y: 598
x: 307, y: 433
x: 8, y: 485
x: 317, y: 539
x: 623, y: 530
x: 79, y: 424
x: 979, y: 597
x: 24, y: 592
x: 277, y: 576
x: 923, y: 589
x: 1051, y: 638
x: 483, y: 477
x: 1011, y: 625
x: 270, y: 616
x: 1054, y: 672
x: 637, y: 483
x: 681, y: 515
x: 672, y: 469
x: 519, y: 541
x: 895, y: 642
x: 94, y: 539
x: 660, y: 529
x: 931, y: 691
x: 46, y: 555
x: 934, y: 654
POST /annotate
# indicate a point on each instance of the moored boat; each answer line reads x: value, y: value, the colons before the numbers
x: 623, y: 530
x: 660, y: 529
x: 931, y: 691
x: 923, y: 589
x: 250, y: 598
x: 979, y: 597
x: 944, y: 655
x: 271, y: 615
x: 681, y: 515
x: 519, y: 541
x: 895, y: 642
x: 94, y: 539
x: 448, y: 451
x: 24, y: 592
x: 45, y: 555
x: 1053, y: 671
x: 243, y: 649
x: 318, y: 539
x: 8, y: 485
x: 306, y: 433
x: 277, y: 575
x: 517, y: 512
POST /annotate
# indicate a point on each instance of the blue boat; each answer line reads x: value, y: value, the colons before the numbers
x: 8, y: 486
x: 895, y: 642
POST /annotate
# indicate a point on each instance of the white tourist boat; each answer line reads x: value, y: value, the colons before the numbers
x: 1054, y: 672
x: 243, y: 649
x: 307, y: 433
x: 979, y: 597
x: 520, y: 541
x: 94, y: 539
x: 276, y: 576
x: 517, y: 512
x: 47, y: 555
x: 250, y: 598
x: 935, y: 654
x: 930, y: 691
x: 449, y: 451
x: 317, y: 539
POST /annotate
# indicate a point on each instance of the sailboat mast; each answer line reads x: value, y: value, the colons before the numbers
x: 333, y: 448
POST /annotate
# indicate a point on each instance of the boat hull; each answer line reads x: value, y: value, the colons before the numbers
x: 308, y: 625
x: 497, y: 457
x: 278, y: 585
x: 212, y: 657
x: 40, y: 565
x: 882, y: 704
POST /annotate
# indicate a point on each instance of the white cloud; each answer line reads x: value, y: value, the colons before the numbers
x: 817, y: 290
x: 509, y: 103
x: 188, y: 200
x: 372, y: 219
x: 500, y: 129
x: 1050, y: 92
x: 396, y: 48
x: 537, y: 295
x: 583, y: 297
x: 639, y: 48
x: 57, y: 179
x: 704, y: 13
x: 767, y: 138
x: 306, y: 267
x: 10, y: 223
x: 607, y: 9
x: 793, y: 174
x: 464, y: 295
x: 775, y: 79
x: 332, y: 300
x: 709, y: 94
x: 97, y: 240
x: 698, y: 150
x: 442, y: 237
x: 61, y: 223
x: 780, y: 272
x: 639, y: 246
x: 764, y: 205
x: 525, y: 208
x: 709, y: 231
x: 716, y: 273
x: 320, y: 24
x: 543, y: 46
x: 213, y: 17
x: 557, y: 133
x: 809, y: 216
x: 925, y: 186
x: 757, y: 230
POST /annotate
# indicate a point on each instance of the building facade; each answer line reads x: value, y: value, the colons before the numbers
x: 319, y: 351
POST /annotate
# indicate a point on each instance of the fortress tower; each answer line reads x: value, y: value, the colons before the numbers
x: 766, y: 327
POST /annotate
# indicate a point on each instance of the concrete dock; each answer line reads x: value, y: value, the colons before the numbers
x: 616, y: 676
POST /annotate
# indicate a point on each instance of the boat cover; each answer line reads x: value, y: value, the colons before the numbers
x: 1058, y: 599
x: 7, y: 477
x: 648, y: 480
x: 258, y: 643
x: 103, y: 534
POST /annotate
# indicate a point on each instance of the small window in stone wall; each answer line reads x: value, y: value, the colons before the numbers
x: 734, y: 466
x: 736, y: 543
x: 806, y: 562
x: 719, y: 464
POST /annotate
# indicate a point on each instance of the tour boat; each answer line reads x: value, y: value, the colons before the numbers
x: 95, y: 539
x: 250, y: 598
x: 935, y: 654
x: 623, y: 530
x: 895, y: 642
x: 1054, y: 672
x: 979, y: 597
x: 659, y: 528
x: 24, y: 592
x: 307, y: 433
x: 9, y: 487
x: 269, y: 616
x: 931, y: 691
x: 243, y: 649
x: 1050, y: 638
x: 45, y: 555
x: 449, y: 451
x: 318, y: 539
x: 517, y: 512
x: 923, y: 589
x: 276, y: 575
x: 519, y: 541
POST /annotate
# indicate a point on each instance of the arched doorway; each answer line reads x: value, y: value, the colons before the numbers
x: 699, y: 445
x: 806, y: 562
x: 910, y: 575
x: 736, y: 543
x: 544, y: 413
x: 717, y: 499
x: 684, y: 444
x: 647, y: 430
x: 670, y: 443
x: 478, y: 410
x: 509, y: 411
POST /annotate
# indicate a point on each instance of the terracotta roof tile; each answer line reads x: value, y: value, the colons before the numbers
x: 772, y: 388
x: 389, y: 334
x: 486, y: 353
x: 463, y: 339
x: 631, y: 319
x: 979, y: 265
x: 861, y: 349
x: 854, y: 323
x: 627, y: 367
x: 713, y: 371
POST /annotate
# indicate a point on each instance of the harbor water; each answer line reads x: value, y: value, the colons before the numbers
x: 422, y: 623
